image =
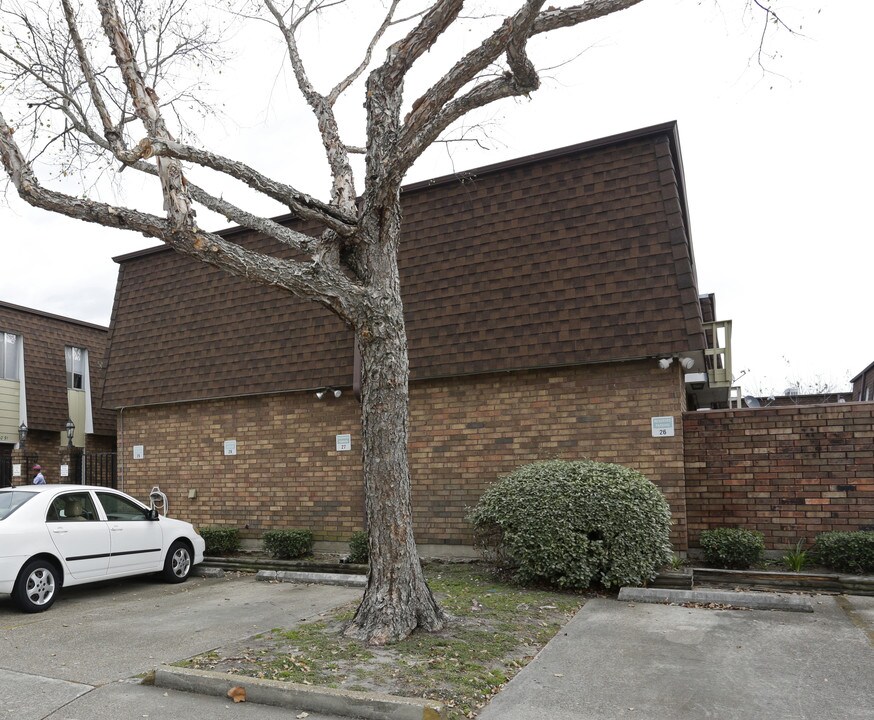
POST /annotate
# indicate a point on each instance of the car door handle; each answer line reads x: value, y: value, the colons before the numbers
x: 60, y: 531
x: 116, y: 528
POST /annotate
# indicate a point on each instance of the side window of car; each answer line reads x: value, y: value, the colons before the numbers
x: 72, y: 507
x: 118, y: 508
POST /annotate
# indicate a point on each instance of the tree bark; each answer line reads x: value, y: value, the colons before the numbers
x: 397, y: 599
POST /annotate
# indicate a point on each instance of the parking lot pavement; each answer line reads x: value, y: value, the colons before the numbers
x: 96, y: 636
x: 629, y: 661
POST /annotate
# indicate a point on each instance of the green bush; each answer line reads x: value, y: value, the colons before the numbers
x: 358, y: 549
x: 732, y: 547
x: 846, y: 551
x: 288, y: 544
x: 220, y: 540
x: 573, y: 524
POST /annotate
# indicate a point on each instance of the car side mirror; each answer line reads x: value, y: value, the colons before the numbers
x: 152, y: 514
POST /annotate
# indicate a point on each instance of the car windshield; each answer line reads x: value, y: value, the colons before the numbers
x: 11, y: 500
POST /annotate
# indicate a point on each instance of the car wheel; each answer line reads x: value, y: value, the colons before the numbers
x: 37, y: 586
x: 177, y: 566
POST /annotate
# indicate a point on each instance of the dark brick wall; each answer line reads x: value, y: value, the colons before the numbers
x: 791, y: 472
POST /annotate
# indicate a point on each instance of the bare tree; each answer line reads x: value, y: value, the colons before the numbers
x: 100, y: 74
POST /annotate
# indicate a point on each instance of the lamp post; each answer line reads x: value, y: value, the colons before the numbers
x: 71, y: 428
x: 22, y: 436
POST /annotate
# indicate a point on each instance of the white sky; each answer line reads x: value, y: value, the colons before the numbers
x: 777, y: 166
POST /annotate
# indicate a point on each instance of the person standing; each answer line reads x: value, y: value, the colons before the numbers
x: 40, y: 478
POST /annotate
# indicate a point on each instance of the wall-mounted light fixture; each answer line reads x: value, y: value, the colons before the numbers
x: 665, y: 363
x: 687, y: 363
x: 71, y: 429
x: 321, y: 392
x: 22, y: 435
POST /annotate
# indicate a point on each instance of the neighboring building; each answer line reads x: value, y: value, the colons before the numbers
x: 797, y: 399
x: 552, y: 309
x: 51, y: 372
x: 863, y: 384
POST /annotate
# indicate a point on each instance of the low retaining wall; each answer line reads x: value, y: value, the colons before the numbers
x: 791, y: 472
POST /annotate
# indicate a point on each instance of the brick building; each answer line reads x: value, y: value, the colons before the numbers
x: 552, y: 311
x: 51, y: 373
x: 863, y: 384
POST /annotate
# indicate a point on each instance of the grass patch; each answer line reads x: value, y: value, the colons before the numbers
x: 495, y: 630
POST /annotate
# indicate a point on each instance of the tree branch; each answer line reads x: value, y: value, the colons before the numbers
x: 315, y: 281
x: 176, y: 200
x: 110, y: 132
x: 436, y: 110
x: 403, y: 54
x: 299, y: 203
x: 343, y: 185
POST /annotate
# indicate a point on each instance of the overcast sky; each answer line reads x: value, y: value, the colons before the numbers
x: 777, y: 165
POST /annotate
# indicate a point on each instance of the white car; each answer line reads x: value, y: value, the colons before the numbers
x: 56, y: 535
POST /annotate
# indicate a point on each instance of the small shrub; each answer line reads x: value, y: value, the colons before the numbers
x: 573, y: 524
x: 677, y: 563
x: 733, y: 547
x: 288, y: 544
x: 358, y: 549
x: 851, y: 552
x: 796, y: 559
x: 220, y: 540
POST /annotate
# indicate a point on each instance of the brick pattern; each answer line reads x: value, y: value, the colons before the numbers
x: 576, y: 256
x: 45, y: 337
x: 791, y: 472
x: 287, y: 472
x: 464, y: 435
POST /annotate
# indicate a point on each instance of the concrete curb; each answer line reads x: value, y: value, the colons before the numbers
x: 312, y: 577
x: 756, y: 601
x: 207, y: 572
x: 348, y: 703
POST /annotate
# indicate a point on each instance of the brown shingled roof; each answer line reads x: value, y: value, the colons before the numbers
x: 578, y: 255
x: 45, y: 337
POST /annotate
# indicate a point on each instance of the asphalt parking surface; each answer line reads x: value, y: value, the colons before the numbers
x: 613, y: 661
x: 81, y: 658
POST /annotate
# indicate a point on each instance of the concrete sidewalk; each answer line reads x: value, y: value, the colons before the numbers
x: 619, y: 660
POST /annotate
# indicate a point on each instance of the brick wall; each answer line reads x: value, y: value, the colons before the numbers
x: 465, y: 432
x: 791, y: 472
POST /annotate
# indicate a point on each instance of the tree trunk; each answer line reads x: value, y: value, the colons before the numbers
x: 397, y: 599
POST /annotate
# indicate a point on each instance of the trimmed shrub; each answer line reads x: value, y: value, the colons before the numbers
x: 732, y: 547
x: 851, y: 552
x: 220, y: 540
x: 572, y: 524
x: 358, y: 549
x: 288, y: 544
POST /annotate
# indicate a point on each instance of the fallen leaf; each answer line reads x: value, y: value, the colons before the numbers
x: 302, y: 715
x: 237, y: 694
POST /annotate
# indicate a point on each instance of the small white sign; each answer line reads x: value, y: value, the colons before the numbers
x: 230, y: 447
x: 16, y: 470
x: 138, y: 452
x: 663, y: 426
x: 65, y: 471
x: 344, y: 443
